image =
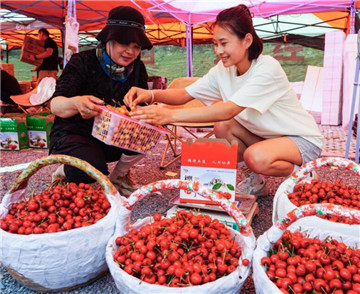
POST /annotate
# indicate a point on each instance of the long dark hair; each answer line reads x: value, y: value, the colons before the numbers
x: 238, y: 20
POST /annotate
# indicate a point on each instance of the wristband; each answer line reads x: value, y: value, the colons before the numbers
x: 152, y: 97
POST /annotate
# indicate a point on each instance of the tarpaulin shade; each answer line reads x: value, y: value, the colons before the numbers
x: 166, y: 20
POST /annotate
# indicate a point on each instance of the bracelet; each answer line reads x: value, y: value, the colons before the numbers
x: 152, y: 97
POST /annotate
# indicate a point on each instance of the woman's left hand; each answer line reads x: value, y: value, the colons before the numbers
x: 153, y: 114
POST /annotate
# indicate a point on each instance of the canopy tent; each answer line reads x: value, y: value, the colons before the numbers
x: 166, y: 20
x: 185, y: 22
x: 14, y: 29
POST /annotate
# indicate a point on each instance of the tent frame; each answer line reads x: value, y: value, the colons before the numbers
x: 153, y: 9
x: 352, y: 110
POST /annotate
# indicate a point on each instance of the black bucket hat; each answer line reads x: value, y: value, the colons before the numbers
x: 125, y: 25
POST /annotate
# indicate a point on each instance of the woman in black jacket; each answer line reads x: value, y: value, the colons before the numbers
x: 95, y: 77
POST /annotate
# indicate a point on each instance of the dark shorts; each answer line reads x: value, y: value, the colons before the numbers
x: 88, y: 149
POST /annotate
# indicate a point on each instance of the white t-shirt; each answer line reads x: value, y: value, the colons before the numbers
x: 272, y: 108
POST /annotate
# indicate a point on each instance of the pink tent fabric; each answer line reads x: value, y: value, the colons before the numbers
x: 194, y: 12
x: 92, y: 14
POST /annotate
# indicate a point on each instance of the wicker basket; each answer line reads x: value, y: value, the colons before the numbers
x: 125, y: 132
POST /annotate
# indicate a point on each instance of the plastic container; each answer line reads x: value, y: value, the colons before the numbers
x: 282, y: 205
x: 228, y: 284
x: 122, y: 131
x: 63, y: 260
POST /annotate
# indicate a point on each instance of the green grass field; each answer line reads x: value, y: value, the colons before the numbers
x: 170, y: 61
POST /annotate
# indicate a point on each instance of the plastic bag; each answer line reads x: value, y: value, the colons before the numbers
x: 62, y: 260
x: 263, y: 285
x: 45, y: 90
x: 228, y: 284
x: 71, y: 38
x: 282, y: 205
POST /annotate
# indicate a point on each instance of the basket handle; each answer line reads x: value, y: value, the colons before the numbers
x: 317, y: 209
x: 227, y: 205
x: 87, y: 168
x: 304, y: 170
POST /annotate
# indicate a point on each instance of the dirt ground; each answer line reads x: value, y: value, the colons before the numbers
x: 146, y: 171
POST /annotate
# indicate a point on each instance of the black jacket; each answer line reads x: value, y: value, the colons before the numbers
x: 83, y: 75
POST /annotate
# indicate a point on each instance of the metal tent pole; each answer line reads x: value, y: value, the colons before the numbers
x: 353, y: 102
x: 189, y: 45
x: 7, y: 53
x: 352, y: 17
x: 357, y: 145
x: 62, y: 34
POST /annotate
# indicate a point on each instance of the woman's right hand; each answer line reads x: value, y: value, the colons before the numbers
x: 86, y: 105
x: 136, y: 96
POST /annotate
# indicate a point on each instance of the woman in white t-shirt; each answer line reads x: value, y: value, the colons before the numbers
x: 250, y: 99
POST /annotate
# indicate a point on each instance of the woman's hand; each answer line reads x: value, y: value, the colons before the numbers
x: 136, y: 96
x: 86, y: 105
x: 153, y: 114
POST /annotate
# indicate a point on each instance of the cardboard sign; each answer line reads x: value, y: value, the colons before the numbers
x: 39, y: 127
x: 13, y: 132
x: 212, y: 163
x: 243, y: 202
x: 148, y: 56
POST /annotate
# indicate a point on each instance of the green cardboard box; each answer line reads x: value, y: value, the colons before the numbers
x: 13, y: 132
x: 39, y: 127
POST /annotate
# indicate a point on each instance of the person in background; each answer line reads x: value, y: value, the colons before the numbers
x: 9, y: 86
x: 49, y: 64
x: 249, y: 98
x: 97, y: 77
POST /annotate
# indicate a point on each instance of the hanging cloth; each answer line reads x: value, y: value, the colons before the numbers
x: 71, y: 32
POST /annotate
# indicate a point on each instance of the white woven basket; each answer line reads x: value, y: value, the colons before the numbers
x: 63, y: 260
x: 282, y: 205
x: 263, y: 285
x: 228, y: 284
